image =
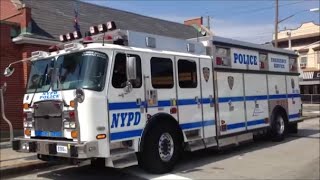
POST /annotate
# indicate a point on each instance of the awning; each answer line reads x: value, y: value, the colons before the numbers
x: 308, y: 75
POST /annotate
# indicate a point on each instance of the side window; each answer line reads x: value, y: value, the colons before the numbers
x: 263, y: 58
x: 223, y: 56
x: 187, y: 73
x: 119, y: 76
x: 161, y: 73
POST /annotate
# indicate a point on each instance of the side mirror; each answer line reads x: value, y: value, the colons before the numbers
x: 8, y: 71
x: 131, y: 68
x: 79, y: 95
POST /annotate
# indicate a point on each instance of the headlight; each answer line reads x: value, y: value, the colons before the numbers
x: 27, y: 124
x: 30, y: 124
x: 66, y: 125
x: 72, y: 125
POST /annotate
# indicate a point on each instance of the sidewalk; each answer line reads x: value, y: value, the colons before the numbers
x: 12, y: 162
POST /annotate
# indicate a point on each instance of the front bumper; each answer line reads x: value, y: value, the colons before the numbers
x: 84, y: 150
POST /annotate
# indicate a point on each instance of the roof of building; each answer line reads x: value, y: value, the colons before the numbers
x: 52, y: 18
x: 217, y: 40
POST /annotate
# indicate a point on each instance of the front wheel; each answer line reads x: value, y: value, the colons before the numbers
x: 278, y: 126
x: 161, y: 150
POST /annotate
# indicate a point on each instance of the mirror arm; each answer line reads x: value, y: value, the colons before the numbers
x: 22, y: 60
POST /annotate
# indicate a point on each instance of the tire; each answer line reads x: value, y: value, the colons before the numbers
x: 162, y: 148
x: 279, y: 126
x: 293, y: 128
x: 43, y: 157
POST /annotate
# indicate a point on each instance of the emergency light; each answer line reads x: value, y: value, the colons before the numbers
x: 111, y: 25
x: 94, y: 30
x: 70, y: 36
x: 63, y: 38
x: 77, y: 34
x: 102, y: 28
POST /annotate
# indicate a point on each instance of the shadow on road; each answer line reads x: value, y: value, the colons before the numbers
x: 190, y: 162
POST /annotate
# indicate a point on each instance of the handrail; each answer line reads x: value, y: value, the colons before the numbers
x: 4, y: 116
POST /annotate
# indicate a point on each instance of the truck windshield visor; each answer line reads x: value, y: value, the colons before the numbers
x: 40, y: 75
x: 84, y: 69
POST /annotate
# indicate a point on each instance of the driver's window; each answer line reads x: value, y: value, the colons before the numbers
x: 119, y: 75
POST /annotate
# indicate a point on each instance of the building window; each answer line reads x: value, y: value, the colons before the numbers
x: 303, y: 62
x: 187, y: 73
x: 161, y: 73
x: 119, y: 77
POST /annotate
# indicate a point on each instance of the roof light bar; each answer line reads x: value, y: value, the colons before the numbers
x: 94, y: 30
x: 102, y: 28
x: 72, y: 46
x: 111, y: 25
x: 39, y: 54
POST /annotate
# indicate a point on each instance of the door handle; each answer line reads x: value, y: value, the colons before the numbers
x: 138, y: 101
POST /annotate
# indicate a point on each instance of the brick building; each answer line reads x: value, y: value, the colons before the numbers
x: 30, y: 25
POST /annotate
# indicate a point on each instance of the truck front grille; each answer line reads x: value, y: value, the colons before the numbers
x: 48, y: 116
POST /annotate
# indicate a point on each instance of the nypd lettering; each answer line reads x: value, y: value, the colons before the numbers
x: 49, y: 95
x: 125, y: 119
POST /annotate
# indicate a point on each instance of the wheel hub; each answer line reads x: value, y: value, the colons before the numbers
x: 280, y: 125
x: 166, y: 147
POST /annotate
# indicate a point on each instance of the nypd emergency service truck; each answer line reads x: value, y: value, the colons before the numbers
x: 125, y: 97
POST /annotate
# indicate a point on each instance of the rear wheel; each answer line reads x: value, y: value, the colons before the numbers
x: 279, y: 126
x: 162, y: 147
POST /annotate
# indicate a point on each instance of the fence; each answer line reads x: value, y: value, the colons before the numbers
x: 310, y: 98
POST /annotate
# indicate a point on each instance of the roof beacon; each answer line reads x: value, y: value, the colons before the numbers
x: 102, y: 28
x: 111, y: 25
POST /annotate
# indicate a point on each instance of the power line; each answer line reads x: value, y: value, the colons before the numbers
x: 250, y: 11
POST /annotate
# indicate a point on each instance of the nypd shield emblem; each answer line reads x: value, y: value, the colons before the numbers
x: 206, y: 73
x: 230, y: 82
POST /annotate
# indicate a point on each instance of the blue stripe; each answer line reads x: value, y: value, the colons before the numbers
x: 164, y: 103
x: 208, y: 123
x: 233, y: 99
x: 123, y: 105
x: 293, y: 95
x: 206, y: 101
x: 236, y: 125
x: 182, y: 102
x: 253, y: 98
x: 255, y: 122
x: 293, y: 116
x: 125, y: 134
x: 197, y: 124
x: 278, y: 96
x: 49, y: 133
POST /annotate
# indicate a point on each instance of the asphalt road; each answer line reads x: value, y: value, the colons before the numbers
x: 297, y: 157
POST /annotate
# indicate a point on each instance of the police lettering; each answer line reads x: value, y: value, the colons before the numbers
x: 50, y: 95
x: 125, y: 119
x: 245, y: 59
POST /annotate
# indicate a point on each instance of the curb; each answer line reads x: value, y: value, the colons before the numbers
x: 309, y: 117
x: 23, y: 167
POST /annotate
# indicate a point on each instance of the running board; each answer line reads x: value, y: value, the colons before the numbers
x: 195, y: 145
x: 122, y: 161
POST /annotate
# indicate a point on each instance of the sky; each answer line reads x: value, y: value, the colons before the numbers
x: 247, y: 20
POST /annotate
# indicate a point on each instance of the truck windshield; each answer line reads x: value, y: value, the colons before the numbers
x: 84, y: 69
x: 40, y: 75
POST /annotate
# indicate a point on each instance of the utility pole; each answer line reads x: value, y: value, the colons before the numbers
x: 208, y: 23
x: 276, y: 24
